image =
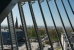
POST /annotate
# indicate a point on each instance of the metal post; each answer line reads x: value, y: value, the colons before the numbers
x: 9, y: 32
x: 67, y: 15
x: 54, y: 24
x: 35, y: 25
x: 1, y: 39
x: 62, y: 22
x: 70, y: 6
x: 45, y: 25
x: 23, y: 21
x: 14, y: 41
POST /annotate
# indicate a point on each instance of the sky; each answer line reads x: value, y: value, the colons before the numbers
x: 46, y: 12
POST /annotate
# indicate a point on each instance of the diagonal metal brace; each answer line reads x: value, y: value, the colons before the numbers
x: 23, y: 3
x: 32, y: 2
x: 70, y: 6
x: 48, y: 0
x: 41, y: 1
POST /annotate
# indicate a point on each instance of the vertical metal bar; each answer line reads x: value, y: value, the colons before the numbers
x: 23, y: 21
x: 23, y: 18
x: 45, y: 25
x: 12, y: 31
x: 67, y: 15
x: 62, y: 22
x: 35, y: 25
x: 54, y: 24
x: 70, y: 6
x: 1, y: 39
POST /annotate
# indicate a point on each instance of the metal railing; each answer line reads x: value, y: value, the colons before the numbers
x: 24, y: 25
x: 14, y: 45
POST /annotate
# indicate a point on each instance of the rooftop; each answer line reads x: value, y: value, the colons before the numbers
x: 6, y: 30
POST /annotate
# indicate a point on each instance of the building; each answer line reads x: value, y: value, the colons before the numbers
x: 65, y: 42
x: 16, y: 24
x: 7, y: 40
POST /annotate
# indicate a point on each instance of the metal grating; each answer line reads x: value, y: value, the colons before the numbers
x: 24, y: 25
x: 14, y: 45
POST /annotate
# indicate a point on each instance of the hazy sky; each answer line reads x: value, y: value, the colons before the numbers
x: 46, y: 13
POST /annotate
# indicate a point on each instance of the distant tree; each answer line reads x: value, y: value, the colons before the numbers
x: 31, y: 32
x: 42, y: 32
x: 53, y: 35
x: 69, y: 30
